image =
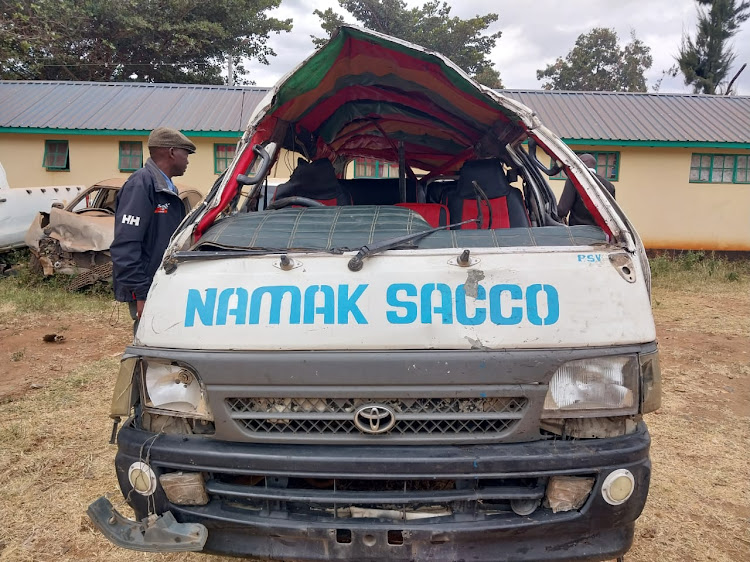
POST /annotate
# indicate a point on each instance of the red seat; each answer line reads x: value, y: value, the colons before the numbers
x: 434, y: 213
x: 495, y: 194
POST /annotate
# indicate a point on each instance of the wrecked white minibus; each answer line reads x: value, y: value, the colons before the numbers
x: 426, y: 367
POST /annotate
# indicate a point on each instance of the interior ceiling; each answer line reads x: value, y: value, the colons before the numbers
x: 362, y: 95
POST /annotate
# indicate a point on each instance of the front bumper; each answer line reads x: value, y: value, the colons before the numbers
x: 596, y: 531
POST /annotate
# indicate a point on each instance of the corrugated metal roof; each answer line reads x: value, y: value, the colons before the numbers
x: 596, y: 116
x: 613, y: 116
x: 125, y: 106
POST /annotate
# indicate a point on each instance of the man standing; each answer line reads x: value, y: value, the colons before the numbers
x: 571, y: 201
x: 147, y: 212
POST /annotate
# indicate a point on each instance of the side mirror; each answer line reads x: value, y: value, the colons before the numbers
x: 265, y: 164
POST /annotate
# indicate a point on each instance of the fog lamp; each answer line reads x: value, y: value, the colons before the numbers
x: 142, y: 478
x: 184, y: 488
x: 565, y: 493
x: 618, y: 486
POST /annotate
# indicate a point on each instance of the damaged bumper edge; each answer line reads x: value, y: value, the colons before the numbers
x: 154, y: 534
x: 592, y: 532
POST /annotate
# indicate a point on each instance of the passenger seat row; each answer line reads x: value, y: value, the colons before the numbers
x: 481, y: 184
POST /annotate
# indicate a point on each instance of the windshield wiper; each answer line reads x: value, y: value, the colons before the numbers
x: 228, y: 252
x: 355, y: 264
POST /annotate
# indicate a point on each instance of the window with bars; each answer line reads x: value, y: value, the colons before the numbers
x: 720, y: 168
x: 131, y: 156
x: 56, y: 155
x: 223, y: 156
x: 607, y: 165
x: 371, y: 168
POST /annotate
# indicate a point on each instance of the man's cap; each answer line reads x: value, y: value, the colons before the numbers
x: 166, y: 137
x: 588, y: 159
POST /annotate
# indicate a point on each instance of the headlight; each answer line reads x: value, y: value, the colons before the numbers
x: 173, y: 390
x: 650, y: 382
x: 602, y: 386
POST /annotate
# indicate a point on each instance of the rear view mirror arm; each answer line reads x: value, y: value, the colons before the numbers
x: 256, y: 179
x: 552, y: 171
x: 261, y: 153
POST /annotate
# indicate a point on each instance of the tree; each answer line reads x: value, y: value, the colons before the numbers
x: 430, y: 26
x: 705, y: 61
x: 597, y: 63
x: 185, y: 41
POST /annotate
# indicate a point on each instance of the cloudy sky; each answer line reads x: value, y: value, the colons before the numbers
x: 534, y: 34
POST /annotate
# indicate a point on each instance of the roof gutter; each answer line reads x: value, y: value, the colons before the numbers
x: 529, y: 120
x: 657, y: 143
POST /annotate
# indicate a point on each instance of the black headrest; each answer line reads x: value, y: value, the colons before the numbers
x: 488, y: 174
x: 316, y: 180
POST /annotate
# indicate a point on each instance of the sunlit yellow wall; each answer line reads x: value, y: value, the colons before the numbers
x: 93, y: 158
x: 284, y: 165
x: 667, y: 210
x: 653, y: 186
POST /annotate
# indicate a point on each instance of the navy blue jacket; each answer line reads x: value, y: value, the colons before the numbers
x: 571, y: 202
x: 147, y: 212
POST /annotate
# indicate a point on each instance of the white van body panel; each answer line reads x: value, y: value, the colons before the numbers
x: 511, y: 298
x: 19, y: 206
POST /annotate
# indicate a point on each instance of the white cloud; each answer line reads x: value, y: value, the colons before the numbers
x: 533, y: 35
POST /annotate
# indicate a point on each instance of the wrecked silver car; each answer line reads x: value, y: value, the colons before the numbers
x: 75, y: 240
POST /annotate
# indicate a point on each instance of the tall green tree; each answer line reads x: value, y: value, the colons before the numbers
x: 431, y: 26
x: 185, y: 41
x: 706, y: 60
x: 598, y: 63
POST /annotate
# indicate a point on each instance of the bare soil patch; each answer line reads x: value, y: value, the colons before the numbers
x: 699, y: 504
x: 56, y: 457
x: 28, y: 362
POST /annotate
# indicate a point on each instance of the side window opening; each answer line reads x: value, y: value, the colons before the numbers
x: 720, y: 168
x: 131, y: 156
x: 223, y: 156
x: 56, y: 155
x: 371, y: 168
x: 607, y: 164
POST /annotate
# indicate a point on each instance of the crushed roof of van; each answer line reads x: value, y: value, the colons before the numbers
x: 364, y: 93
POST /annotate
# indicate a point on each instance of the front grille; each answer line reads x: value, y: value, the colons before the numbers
x: 382, y: 499
x: 433, y: 406
x: 415, y: 419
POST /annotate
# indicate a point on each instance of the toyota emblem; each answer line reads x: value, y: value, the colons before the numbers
x: 374, y: 418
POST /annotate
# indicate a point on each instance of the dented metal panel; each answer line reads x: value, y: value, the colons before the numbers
x: 75, y: 232
x: 19, y: 206
x: 410, y: 299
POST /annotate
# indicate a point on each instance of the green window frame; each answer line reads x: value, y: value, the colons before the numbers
x: 719, y: 168
x: 130, y: 156
x: 607, y: 164
x: 371, y: 168
x: 56, y: 155
x: 223, y: 156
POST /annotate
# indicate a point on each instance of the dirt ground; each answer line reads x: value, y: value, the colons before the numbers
x: 28, y: 362
x: 55, y: 457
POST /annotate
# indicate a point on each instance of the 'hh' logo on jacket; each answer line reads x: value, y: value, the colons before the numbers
x: 131, y: 220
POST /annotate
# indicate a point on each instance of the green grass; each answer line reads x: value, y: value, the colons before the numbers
x: 690, y: 267
x: 26, y: 291
x: 29, y: 292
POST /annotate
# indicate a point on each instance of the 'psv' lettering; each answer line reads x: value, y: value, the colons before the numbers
x: 131, y: 220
